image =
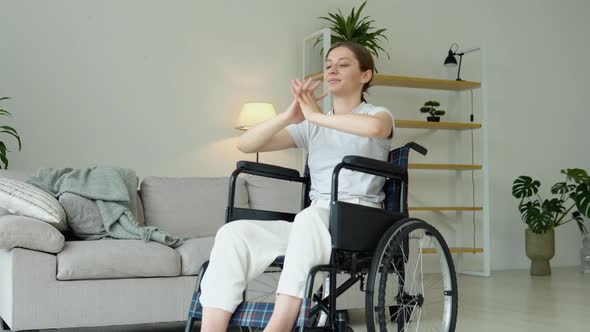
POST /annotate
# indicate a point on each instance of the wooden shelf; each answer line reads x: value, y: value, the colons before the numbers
x: 416, y: 82
x: 445, y: 208
x: 454, y: 250
x: 435, y: 125
x: 458, y: 167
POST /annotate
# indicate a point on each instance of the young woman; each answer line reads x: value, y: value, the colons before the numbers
x: 245, y: 248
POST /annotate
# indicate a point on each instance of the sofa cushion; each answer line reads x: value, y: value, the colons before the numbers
x: 29, y: 233
x: 193, y: 207
x: 109, y: 259
x: 27, y: 200
x: 272, y: 194
x: 83, y: 217
x: 193, y: 253
x: 19, y: 175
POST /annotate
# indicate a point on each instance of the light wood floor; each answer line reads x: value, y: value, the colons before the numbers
x: 507, y: 301
x: 515, y: 301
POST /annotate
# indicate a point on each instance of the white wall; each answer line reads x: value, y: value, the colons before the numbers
x: 157, y: 85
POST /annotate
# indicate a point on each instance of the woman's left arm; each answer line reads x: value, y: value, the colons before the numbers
x: 379, y: 125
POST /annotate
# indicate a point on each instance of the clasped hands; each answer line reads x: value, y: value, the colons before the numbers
x: 305, y: 102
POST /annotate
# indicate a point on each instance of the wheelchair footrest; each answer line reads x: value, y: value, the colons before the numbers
x: 250, y: 314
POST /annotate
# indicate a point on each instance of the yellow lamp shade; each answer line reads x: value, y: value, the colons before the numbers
x: 255, y: 113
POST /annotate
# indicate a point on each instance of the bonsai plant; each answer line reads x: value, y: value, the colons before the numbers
x: 10, y: 131
x: 570, y: 203
x: 430, y: 108
x: 356, y: 29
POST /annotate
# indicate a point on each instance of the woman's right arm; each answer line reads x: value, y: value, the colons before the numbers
x: 271, y: 135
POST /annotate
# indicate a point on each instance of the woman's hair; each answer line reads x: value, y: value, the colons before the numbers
x: 364, y: 58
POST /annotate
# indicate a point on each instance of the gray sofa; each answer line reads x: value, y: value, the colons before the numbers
x: 118, y: 282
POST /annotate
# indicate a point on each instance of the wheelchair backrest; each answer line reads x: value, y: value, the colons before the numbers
x: 392, y: 189
x: 395, y: 194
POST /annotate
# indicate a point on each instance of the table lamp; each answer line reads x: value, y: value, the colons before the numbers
x: 253, y: 114
x: 451, y: 61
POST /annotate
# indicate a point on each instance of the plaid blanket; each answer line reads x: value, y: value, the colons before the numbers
x: 251, y: 314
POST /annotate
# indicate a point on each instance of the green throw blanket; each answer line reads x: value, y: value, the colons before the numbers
x: 113, y: 189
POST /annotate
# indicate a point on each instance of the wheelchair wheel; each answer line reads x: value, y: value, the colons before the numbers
x: 408, y: 290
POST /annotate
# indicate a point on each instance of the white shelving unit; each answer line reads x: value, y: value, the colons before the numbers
x: 458, y: 247
x: 325, y: 35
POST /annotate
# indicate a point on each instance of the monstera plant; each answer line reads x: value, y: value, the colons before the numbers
x: 9, y: 131
x: 571, y: 202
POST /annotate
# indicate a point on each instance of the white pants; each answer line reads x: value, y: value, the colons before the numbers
x: 243, y: 249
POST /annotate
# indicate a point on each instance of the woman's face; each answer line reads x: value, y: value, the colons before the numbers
x: 342, y: 73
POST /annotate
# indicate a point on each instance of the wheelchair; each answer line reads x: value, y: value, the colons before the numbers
x: 382, y: 250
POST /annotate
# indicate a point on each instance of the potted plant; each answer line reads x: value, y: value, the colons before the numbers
x: 10, y: 131
x: 570, y: 202
x: 356, y: 29
x: 430, y: 108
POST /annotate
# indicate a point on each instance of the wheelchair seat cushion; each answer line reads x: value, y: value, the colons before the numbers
x: 251, y: 314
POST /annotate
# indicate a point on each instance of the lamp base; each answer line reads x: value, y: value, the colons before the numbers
x: 459, y: 69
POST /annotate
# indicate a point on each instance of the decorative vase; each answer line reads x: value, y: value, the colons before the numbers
x: 540, y: 248
x: 433, y: 118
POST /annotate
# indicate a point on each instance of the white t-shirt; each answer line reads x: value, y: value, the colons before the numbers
x: 326, y: 148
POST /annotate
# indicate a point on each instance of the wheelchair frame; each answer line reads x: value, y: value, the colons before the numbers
x: 349, y: 253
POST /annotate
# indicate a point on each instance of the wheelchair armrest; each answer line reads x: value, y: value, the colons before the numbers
x: 417, y: 147
x: 372, y: 166
x: 365, y: 165
x: 267, y: 170
x: 264, y: 170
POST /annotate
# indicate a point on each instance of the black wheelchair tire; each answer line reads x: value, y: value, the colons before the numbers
x: 396, y: 232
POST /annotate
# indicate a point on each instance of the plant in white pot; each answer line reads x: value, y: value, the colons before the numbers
x: 571, y: 202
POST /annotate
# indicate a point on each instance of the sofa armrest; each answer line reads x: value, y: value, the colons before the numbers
x: 29, y: 233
